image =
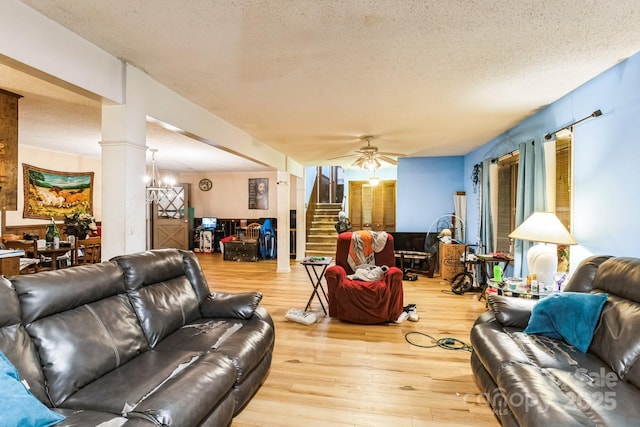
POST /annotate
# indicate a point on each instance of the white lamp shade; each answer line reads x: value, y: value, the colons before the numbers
x: 543, y: 227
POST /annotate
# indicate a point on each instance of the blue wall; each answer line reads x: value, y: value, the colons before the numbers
x: 425, y: 190
x: 606, y: 160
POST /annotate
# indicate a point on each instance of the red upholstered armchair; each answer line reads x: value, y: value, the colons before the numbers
x: 359, y: 301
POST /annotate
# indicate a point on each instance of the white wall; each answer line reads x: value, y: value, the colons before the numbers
x: 229, y: 197
x: 58, y: 162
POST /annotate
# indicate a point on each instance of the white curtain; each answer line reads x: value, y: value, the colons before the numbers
x: 460, y: 211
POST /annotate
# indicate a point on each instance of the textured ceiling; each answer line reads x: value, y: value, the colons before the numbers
x: 307, y: 77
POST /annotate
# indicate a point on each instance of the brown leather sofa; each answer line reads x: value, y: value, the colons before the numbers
x: 136, y: 341
x: 533, y: 380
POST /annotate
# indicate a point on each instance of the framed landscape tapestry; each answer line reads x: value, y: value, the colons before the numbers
x: 55, y: 194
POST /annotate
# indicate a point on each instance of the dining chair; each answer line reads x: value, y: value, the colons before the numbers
x: 29, y: 262
x: 253, y: 232
x: 88, y: 251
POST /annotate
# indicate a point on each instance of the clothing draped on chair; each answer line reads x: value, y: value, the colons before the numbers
x: 364, y: 245
x: 368, y: 273
x: 267, y: 240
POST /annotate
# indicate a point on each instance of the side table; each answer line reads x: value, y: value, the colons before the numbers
x: 486, y: 263
x: 317, y: 265
x: 501, y: 288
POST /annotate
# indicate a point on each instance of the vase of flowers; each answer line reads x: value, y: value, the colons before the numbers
x: 79, y: 224
x: 563, y: 258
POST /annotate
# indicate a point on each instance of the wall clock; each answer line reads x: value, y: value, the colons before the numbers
x: 205, y: 184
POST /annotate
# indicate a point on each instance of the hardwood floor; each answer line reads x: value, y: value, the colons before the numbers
x: 338, y: 374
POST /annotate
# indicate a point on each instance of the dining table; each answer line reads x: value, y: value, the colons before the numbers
x: 54, y: 253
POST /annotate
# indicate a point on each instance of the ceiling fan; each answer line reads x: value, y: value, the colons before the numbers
x: 369, y: 157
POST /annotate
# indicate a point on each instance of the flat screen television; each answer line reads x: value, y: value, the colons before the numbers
x: 209, y: 222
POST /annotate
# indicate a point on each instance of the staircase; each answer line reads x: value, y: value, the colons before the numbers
x: 322, y: 237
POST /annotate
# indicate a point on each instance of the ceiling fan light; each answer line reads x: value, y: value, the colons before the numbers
x: 359, y: 162
x: 374, y: 180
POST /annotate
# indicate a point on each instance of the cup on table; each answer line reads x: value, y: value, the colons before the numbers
x: 513, y: 282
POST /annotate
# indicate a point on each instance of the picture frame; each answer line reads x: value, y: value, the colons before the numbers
x: 55, y: 194
x: 259, y: 193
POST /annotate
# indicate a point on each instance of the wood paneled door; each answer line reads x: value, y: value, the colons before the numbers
x: 170, y: 222
x: 372, y: 207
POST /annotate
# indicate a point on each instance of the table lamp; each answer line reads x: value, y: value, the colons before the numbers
x: 546, y: 229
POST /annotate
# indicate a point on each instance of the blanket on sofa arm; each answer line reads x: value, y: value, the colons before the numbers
x: 570, y: 316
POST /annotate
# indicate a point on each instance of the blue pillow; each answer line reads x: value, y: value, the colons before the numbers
x: 19, y: 407
x: 571, y: 316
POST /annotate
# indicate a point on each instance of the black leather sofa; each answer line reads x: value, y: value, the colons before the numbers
x: 533, y: 380
x: 136, y: 341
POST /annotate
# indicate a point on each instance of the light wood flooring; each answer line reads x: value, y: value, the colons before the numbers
x: 339, y: 374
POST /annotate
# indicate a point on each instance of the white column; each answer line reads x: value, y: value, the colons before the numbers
x: 284, y: 226
x: 301, y: 218
x: 123, y: 191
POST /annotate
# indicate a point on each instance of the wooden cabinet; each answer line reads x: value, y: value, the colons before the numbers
x: 450, y: 264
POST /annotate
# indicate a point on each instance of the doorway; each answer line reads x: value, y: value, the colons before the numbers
x: 169, y: 219
x: 372, y: 207
x: 330, y: 184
